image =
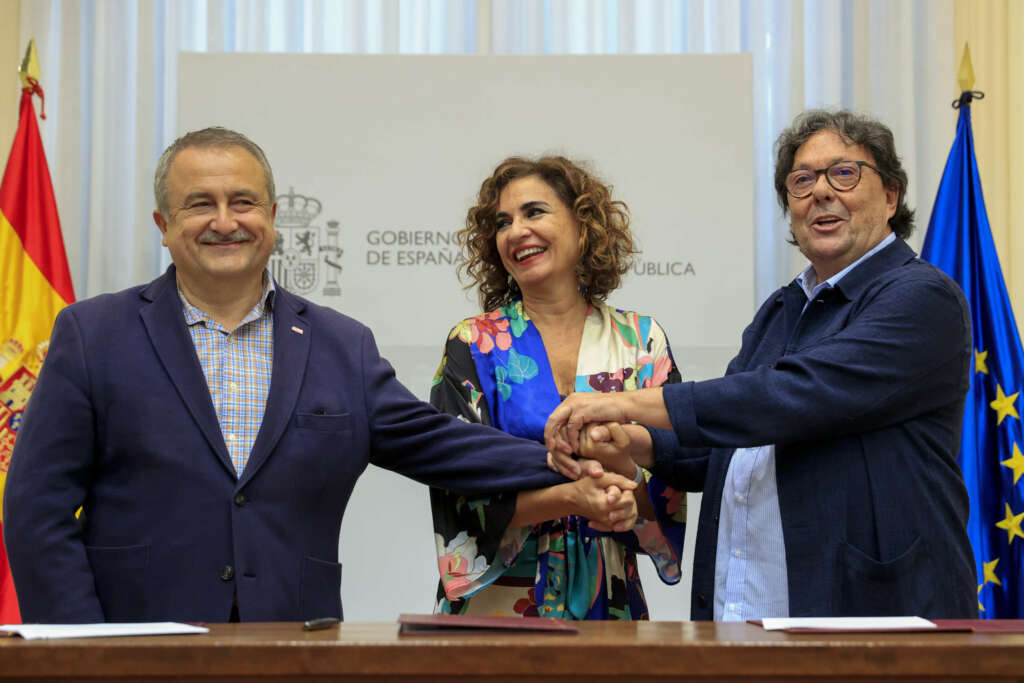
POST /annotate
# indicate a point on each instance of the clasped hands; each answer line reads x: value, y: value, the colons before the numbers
x: 594, y: 431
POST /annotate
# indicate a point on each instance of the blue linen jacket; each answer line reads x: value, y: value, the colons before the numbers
x: 121, y: 423
x: 863, y: 396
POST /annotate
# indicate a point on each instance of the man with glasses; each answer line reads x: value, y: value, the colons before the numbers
x: 827, y: 454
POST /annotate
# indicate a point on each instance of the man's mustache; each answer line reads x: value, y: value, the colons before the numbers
x: 214, y: 237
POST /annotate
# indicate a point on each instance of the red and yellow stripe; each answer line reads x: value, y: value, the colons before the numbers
x: 35, y: 283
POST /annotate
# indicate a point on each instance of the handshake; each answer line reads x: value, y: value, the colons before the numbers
x: 590, y: 441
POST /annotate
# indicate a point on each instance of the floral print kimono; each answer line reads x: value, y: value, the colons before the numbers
x: 495, y: 371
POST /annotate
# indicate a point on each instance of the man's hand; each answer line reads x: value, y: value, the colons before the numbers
x: 563, y: 428
x: 607, y: 501
x: 645, y: 406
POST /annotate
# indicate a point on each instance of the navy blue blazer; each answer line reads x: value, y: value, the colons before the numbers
x: 863, y: 396
x: 121, y: 423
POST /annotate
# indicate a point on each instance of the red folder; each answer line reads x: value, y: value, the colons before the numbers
x: 435, y: 623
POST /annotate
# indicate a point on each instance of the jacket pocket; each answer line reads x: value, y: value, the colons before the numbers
x: 342, y: 422
x: 121, y: 575
x: 320, y: 589
x: 904, y: 585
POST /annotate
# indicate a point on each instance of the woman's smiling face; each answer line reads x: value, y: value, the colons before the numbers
x: 538, y: 236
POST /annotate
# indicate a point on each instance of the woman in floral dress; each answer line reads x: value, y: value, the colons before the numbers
x: 545, y: 245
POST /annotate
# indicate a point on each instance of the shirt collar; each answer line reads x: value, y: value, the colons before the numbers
x: 265, y: 305
x: 808, y: 279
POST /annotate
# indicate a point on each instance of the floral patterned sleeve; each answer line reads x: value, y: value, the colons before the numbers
x: 474, y: 544
x: 662, y: 537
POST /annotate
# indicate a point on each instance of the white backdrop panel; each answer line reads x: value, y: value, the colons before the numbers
x: 376, y: 160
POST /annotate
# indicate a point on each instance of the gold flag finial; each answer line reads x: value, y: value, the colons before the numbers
x: 29, y: 65
x: 965, y: 77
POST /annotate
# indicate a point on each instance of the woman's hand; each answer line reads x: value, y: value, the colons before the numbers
x: 607, y: 501
x: 602, y: 447
x: 609, y: 446
x: 621, y: 449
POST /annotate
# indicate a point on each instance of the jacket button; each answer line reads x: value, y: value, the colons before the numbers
x: 227, y: 573
x: 702, y: 602
x: 240, y: 499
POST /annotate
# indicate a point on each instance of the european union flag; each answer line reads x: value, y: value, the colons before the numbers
x: 959, y: 241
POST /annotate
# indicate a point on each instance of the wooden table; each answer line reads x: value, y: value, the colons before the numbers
x: 704, y: 651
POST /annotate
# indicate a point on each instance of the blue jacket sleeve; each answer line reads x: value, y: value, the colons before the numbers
x: 903, y: 353
x: 681, y: 467
x: 414, y: 439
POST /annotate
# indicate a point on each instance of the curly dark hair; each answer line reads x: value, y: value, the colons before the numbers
x: 606, y: 244
x: 853, y: 129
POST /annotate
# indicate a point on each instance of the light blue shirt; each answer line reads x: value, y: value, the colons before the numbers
x: 750, y: 563
x: 237, y: 365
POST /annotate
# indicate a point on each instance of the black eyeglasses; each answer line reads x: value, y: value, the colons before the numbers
x: 842, y: 175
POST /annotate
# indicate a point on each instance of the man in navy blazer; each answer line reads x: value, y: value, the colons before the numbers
x: 211, y: 426
x: 828, y: 452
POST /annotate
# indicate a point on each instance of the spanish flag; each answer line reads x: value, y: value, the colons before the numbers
x: 34, y: 285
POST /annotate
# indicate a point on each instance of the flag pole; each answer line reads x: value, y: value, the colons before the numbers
x: 29, y: 67
x: 965, y: 78
x: 28, y: 71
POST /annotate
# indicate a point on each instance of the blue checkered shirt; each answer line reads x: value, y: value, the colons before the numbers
x: 237, y: 364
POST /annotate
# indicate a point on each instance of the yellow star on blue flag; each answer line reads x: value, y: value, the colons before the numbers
x: 990, y: 572
x: 1012, y: 524
x: 1015, y: 463
x: 979, y: 361
x: 1003, y: 405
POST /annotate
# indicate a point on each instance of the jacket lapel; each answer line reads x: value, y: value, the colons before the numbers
x: 165, y: 325
x: 291, y: 352
x: 793, y: 300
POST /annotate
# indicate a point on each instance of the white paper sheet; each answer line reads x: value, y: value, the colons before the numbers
x: 848, y: 623
x: 33, y: 631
